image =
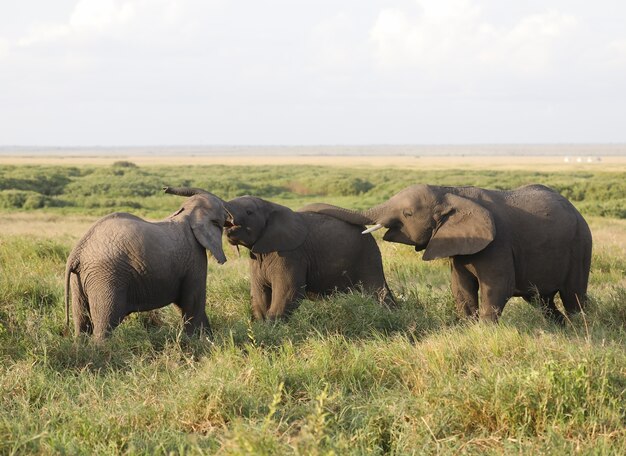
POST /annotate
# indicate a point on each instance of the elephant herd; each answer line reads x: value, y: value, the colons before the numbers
x: 528, y: 242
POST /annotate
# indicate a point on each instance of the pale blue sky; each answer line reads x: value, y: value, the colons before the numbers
x: 193, y: 72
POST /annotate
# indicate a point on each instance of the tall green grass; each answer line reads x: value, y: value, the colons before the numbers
x: 342, y: 376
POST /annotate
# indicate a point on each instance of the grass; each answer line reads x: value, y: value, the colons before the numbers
x: 343, y: 376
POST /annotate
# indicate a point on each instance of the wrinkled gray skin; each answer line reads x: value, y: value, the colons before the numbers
x: 292, y: 253
x: 124, y: 264
x: 524, y: 242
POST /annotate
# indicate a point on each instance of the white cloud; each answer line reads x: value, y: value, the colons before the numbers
x: 4, y: 47
x: 453, y: 36
x: 425, y: 37
x: 245, y: 71
x: 100, y: 14
x: 335, y: 42
x: 617, y: 52
x: 43, y: 33
x: 532, y: 45
x: 147, y: 21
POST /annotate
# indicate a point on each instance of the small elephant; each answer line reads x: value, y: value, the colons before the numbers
x: 524, y: 242
x: 292, y: 253
x: 124, y: 264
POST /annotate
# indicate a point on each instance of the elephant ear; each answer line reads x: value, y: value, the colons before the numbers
x: 208, y: 235
x: 285, y: 230
x: 467, y: 228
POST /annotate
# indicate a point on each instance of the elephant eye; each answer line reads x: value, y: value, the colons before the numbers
x: 216, y: 223
x: 408, y: 213
x: 248, y: 211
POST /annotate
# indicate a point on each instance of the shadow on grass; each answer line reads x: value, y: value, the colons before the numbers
x: 353, y: 316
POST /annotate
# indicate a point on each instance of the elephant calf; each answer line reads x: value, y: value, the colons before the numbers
x: 124, y: 264
x: 292, y: 253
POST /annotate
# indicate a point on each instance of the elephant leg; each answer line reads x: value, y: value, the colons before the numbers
x: 287, y: 292
x: 261, y: 300
x: 573, y: 301
x: 108, y: 309
x: 574, y: 293
x: 80, y: 307
x: 492, y: 301
x: 496, y: 282
x: 465, y: 291
x: 193, y: 308
x: 549, y: 309
x: 372, y: 284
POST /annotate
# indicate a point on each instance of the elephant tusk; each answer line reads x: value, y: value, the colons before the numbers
x: 371, y: 229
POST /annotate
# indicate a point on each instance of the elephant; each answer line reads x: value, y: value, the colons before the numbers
x: 293, y: 253
x: 124, y: 264
x: 526, y: 242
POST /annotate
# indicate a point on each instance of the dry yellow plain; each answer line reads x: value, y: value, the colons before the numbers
x: 538, y: 163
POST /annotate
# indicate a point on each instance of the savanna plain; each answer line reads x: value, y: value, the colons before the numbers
x: 343, y: 375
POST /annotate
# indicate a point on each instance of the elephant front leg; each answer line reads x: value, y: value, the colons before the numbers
x: 287, y: 292
x: 261, y: 300
x: 496, y: 281
x: 192, y: 306
x: 465, y: 291
x: 492, y: 301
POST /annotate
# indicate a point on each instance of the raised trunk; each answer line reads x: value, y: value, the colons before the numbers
x: 191, y: 191
x: 185, y: 191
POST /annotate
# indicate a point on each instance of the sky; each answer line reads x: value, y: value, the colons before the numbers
x: 311, y: 72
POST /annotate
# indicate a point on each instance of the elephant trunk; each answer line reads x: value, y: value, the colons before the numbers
x: 185, y: 191
x: 374, y: 216
x: 347, y: 215
x: 377, y: 216
x: 191, y: 191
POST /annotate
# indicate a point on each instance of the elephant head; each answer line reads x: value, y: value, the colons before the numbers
x: 427, y: 217
x: 263, y: 226
x: 206, y: 216
x: 260, y: 225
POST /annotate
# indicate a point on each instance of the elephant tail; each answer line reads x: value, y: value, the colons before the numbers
x: 70, y: 267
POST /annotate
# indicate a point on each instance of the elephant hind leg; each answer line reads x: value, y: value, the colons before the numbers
x: 80, y: 307
x: 376, y: 285
x: 574, y: 293
x: 109, y: 307
x: 573, y: 301
x: 550, y: 310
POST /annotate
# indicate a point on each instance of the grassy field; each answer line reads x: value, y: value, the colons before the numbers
x: 343, y: 375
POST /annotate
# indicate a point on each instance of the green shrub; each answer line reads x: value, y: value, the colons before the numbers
x: 18, y: 199
x: 124, y: 164
x: 99, y: 187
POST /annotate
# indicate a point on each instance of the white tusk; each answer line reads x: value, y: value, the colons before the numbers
x: 373, y: 228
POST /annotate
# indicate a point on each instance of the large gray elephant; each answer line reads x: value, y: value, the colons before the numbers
x: 124, y: 264
x: 292, y: 253
x: 524, y: 242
